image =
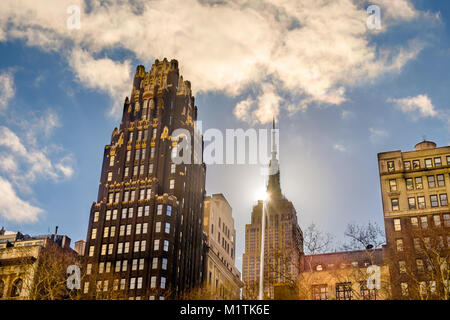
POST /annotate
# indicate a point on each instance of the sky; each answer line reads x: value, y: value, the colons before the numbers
x: 342, y: 88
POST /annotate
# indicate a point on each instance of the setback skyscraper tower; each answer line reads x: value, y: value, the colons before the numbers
x: 145, y: 230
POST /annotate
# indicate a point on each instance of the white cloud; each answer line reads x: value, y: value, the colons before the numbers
x: 7, y: 89
x: 339, y: 147
x: 376, y: 135
x: 226, y: 46
x: 419, y: 106
x: 12, y: 208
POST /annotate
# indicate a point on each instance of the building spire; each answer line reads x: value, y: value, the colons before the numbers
x: 273, y: 186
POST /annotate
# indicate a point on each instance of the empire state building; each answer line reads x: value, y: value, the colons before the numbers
x: 283, y: 244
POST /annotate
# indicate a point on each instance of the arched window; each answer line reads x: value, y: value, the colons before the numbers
x: 16, y: 288
x: 2, y: 288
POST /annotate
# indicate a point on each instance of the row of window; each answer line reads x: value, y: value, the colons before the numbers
x: 424, y: 287
x: 124, y: 247
x: 427, y: 243
x: 122, y: 265
x: 415, y: 164
x: 344, y: 291
x: 417, y: 183
x: 129, y: 212
x: 134, y: 283
x: 420, y: 203
x: 424, y: 222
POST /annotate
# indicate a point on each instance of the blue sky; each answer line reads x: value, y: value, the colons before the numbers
x: 340, y: 96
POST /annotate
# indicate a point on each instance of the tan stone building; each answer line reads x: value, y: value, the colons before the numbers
x: 19, y: 258
x: 415, y: 186
x: 342, y: 276
x: 222, y: 276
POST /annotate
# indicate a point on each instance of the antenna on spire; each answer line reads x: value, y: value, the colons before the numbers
x: 273, y: 123
x: 424, y: 137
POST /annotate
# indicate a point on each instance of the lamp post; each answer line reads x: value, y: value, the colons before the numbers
x: 261, y: 261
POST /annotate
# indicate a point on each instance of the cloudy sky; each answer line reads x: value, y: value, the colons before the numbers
x: 341, y: 90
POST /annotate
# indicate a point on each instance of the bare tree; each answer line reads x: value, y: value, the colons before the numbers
x: 316, y: 241
x: 362, y: 236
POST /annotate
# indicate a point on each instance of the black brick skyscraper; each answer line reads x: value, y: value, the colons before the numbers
x: 145, y: 230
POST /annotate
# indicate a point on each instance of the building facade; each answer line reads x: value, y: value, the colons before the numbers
x: 223, y: 279
x: 146, y: 227
x: 283, y: 239
x: 22, y: 258
x: 415, y: 186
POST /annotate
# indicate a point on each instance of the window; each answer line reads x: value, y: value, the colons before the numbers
x: 141, y: 170
x: 437, y: 220
x: 160, y: 207
x: 169, y: 211
x: 399, y: 243
x: 397, y: 225
x: 127, y: 171
x: 111, y: 161
x: 153, y: 282
x: 104, y: 247
x: 155, y: 263
x: 344, y: 291
x: 141, y: 264
x: 428, y: 163
x: 409, y: 184
x: 163, y: 282
x: 132, y: 283
x: 128, y: 155
x: 164, y: 264
x: 437, y: 161
x: 130, y: 137
x: 120, y: 248
x: 101, y: 267
x: 156, y: 245
x: 143, y: 245
x: 143, y: 152
x: 126, y: 247
x: 158, y: 227
x: 393, y: 185
x: 448, y: 160
x: 112, y: 232
x: 395, y: 206
x: 390, y: 166
x: 416, y: 164
x: 434, y: 201
x: 133, y: 195
x: 86, y: 287
x: 138, y: 228
x: 136, y: 246
x: 419, y: 183
x: 122, y: 230
x: 404, y: 287
x: 447, y: 219
x: 108, y: 215
x: 139, y: 283
x: 96, y: 216
x: 407, y: 165
x: 431, y: 182
x: 150, y: 168
x: 91, y: 251
x: 144, y: 228
x: 173, y: 168
x: 419, y: 264
x: 94, y: 234
x: 402, y: 266
x: 110, y: 197
x: 124, y: 265
x: 129, y: 229
x: 417, y: 245
x: 412, y: 203
x: 167, y: 229
x: 440, y: 180
x: 320, y: 292
x: 152, y: 152
x: 17, y: 288
x: 142, y: 194
x: 146, y: 211
x: 421, y: 202
x: 166, y: 245
x: 443, y: 199
x: 424, y: 222
x: 135, y: 170
x: 109, y: 176
x: 172, y: 183
x: 106, y: 232
x: 149, y: 193
x: 366, y: 293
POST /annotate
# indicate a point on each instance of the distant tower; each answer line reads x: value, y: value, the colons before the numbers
x: 145, y: 230
x: 283, y: 238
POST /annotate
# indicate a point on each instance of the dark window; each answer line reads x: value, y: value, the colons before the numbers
x: 390, y: 166
x: 416, y: 164
x: 437, y: 161
x: 16, y: 288
x: 428, y: 163
x: 407, y: 165
x: 344, y: 291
